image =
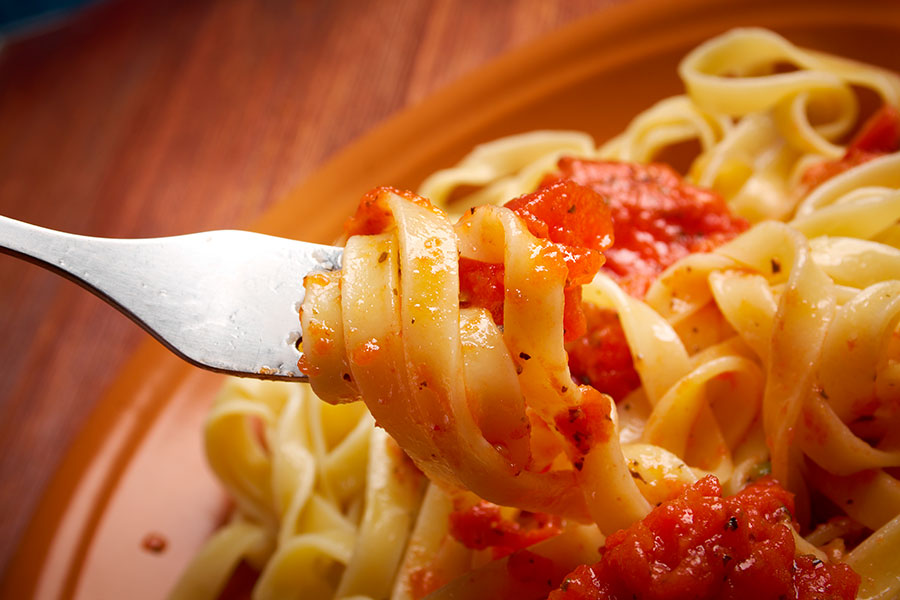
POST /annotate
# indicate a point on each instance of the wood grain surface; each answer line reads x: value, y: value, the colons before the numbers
x: 160, y: 117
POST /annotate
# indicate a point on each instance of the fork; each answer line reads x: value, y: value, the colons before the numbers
x: 225, y: 300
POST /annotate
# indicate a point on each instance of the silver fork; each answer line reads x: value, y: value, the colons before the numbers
x: 227, y: 301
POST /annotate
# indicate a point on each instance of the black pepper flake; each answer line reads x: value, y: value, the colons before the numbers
x: 578, y: 464
x: 732, y: 524
x: 637, y: 475
x: 346, y: 376
x: 574, y: 414
x: 564, y: 389
x: 413, y: 322
x: 849, y: 501
x: 519, y: 369
x: 572, y: 209
x: 725, y: 559
x: 472, y: 210
x: 524, y: 356
x: 776, y: 265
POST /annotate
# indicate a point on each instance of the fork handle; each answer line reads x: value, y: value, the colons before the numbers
x: 60, y: 252
x: 223, y: 300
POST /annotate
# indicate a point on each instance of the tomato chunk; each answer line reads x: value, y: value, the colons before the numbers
x: 482, y: 525
x: 701, y: 546
x: 481, y: 284
x: 373, y: 215
x: 879, y: 135
x: 575, y: 218
x: 601, y: 358
x: 572, y: 217
x: 657, y: 217
x: 585, y: 425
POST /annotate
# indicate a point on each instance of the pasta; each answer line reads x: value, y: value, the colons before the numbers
x: 774, y: 349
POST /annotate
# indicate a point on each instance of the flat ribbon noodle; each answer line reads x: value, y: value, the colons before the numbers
x: 421, y: 395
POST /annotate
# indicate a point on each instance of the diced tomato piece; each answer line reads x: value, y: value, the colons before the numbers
x: 701, y: 546
x: 657, y: 217
x: 482, y: 525
x: 585, y: 425
x: 574, y: 323
x: 576, y: 220
x: 373, y: 215
x: 879, y: 135
x: 481, y: 284
x: 532, y: 575
x: 572, y: 216
x: 601, y: 358
x: 816, y: 579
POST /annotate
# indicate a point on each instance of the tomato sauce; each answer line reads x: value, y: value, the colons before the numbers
x: 423, y: 581
x: 573, y: 217
x: 576, y: 221
x: 481, y: 284
x: 482, y: 526
x: 880, y: 135
x: 585, y: 425
x: 601, y: 357
x: 373, y: 215
x: 703, y: 546
x: 658, y: 218
x: 531, y: 575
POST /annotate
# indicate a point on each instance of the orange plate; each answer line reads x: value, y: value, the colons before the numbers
x: 138, y: 467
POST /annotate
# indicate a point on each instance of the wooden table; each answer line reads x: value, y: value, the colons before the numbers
x: 159, y: 117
